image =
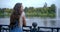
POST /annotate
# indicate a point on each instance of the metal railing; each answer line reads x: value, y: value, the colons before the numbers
x: 2, y: 28
x: 34, y: 29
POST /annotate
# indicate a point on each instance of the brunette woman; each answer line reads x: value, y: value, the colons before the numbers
x: 17, y: 18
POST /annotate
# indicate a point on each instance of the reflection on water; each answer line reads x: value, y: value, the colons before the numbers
x: 39, y: 21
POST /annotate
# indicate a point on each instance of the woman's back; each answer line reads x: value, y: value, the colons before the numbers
x: 16, y: 20
x: 16, y: 28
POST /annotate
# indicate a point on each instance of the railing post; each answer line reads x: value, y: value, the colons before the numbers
x: 38, y: 29
x: 0, y: 28
x: 52, y: 29
x: 57, y: 29
x: 34, y: 29
x: 9, y: 28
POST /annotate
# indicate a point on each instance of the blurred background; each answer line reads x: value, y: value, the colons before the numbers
x: 44, y: 12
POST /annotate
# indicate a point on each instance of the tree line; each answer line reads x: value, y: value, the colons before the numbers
x: 33, y: 12
x: 41, y: 11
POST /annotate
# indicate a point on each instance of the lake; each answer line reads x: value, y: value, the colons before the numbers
x: 40, y: 21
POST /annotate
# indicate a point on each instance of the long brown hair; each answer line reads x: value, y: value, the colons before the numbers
x: 15, y: 14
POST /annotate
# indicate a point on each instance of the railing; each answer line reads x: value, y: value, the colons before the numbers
x: 34, y: 29
x: 51, y: 28
x: 2, y: 28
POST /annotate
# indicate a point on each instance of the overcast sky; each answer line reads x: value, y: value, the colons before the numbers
x: 28, y: 3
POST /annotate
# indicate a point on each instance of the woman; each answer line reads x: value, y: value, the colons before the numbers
x: 17, y: 19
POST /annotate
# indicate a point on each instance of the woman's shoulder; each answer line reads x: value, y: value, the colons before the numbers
x: 23, y: 14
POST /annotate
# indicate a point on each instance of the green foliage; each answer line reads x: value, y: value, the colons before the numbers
x: 5, y: 12
x: 33, y: 12
x: 53, y: 7
x: 41, y: 11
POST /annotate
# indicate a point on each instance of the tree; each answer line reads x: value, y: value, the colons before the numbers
x: 26, y: 9
x: 53, y: 8
x: 45, y: 5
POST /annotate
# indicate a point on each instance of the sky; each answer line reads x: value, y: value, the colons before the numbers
x: 28, y: 3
